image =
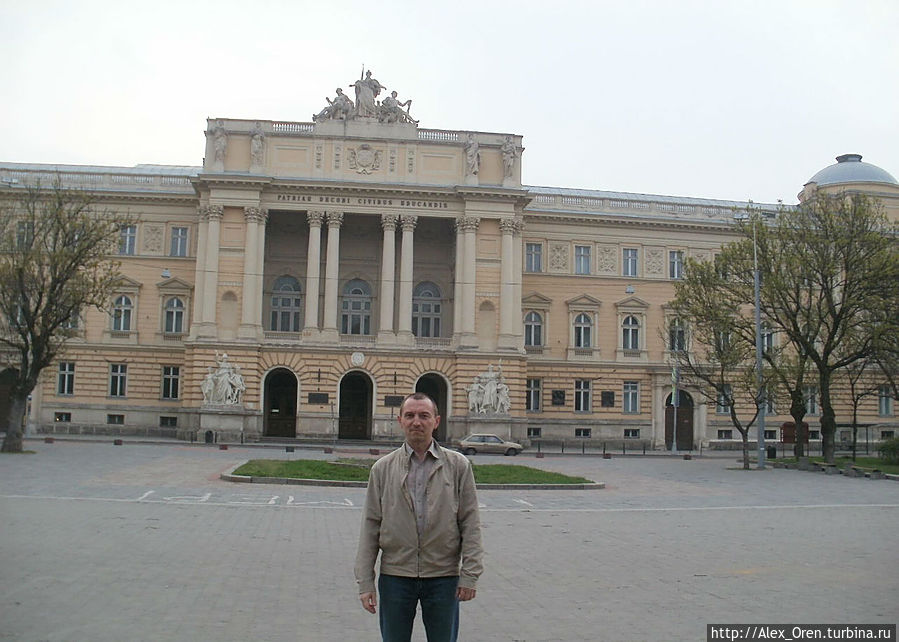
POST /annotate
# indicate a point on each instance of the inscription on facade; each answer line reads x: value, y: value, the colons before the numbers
x: 349, y: 200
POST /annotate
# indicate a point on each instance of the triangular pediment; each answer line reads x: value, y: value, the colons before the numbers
x: 174, y: 283
x: 632, y: 302
x: 584, y: 300
x: 535, y: 299
x: 127, y: 282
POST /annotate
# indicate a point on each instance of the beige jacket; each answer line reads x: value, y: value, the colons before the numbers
x: 452, y: 533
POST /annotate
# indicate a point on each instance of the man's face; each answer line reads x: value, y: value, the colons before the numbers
x: 419, y: 419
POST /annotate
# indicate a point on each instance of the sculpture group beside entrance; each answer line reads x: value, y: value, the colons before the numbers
x: 223, y: 385
x: 488, y: 393
x: 367, y: 105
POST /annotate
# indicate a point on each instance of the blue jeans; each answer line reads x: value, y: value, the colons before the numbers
x: 399, y: 598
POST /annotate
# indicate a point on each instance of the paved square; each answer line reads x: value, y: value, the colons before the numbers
x: 145, y: 542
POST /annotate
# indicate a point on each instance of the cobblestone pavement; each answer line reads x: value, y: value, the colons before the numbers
x: 145, y: 542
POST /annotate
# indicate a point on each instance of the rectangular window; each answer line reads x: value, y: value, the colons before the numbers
x: 168, y: 422
x: 677, y: 336
x: 607, y: 399
x: 631, y: 433
x: 676, y: 264
x: 814, y: 434
x: 582, y: 259
x: 582, y: 395
x: 179, y: 241
x: 115, y: 419
x: 118, y: 379
x: 631, y: 397
x: 533, y: 257
x: 128, y: 240
x: 885, y: 401
x: 770, y: 406
x: 65, y: 380
x: 171, y: 377
x: 725, y: 434
x: 629, y: 261
x: 535, y: 432
x: 583, y: 432
x: 887, y: 434
x: 62, y: 417
x: 532, y: 395
x: 24, y: 235
x: 770, y: 435
x: 724, y: 397
x: 811, y: 400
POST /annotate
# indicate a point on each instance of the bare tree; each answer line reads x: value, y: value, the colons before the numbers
x: 55, y: 250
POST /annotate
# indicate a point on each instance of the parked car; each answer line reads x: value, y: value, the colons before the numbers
x: 484, y: 443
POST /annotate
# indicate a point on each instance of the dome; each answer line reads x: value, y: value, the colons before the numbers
x: 849, y: 168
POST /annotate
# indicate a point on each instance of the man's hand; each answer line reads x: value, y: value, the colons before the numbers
x: 464, y: 593
x: 370, y: 601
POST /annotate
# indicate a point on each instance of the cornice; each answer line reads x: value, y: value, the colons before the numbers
x: 603, y: 219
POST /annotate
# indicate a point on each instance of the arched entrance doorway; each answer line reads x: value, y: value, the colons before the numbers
x: 355, y: 406
x: 684, y: 421
x: 280, y: 404
x: 435, y: 387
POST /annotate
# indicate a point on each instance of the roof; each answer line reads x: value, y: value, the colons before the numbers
x: 849, y: 168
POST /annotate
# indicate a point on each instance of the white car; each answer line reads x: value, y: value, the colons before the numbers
x: 485, y: 443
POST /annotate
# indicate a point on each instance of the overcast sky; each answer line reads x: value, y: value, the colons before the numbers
x: 715, y: 99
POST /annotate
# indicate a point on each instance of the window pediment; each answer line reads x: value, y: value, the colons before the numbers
x: 632, y: 303
x: 584, y: 301
x: 536, y: 300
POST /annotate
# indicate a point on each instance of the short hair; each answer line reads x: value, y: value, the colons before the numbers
x: 420, y: 396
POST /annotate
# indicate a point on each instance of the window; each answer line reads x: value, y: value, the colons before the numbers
x: 722, y: 407
x: 121, y: 314
x: 168, y: 422
x: 355, y: 317
x: 128, y: 239
x: 533, y: 329
x: 179, y: 241
x: 532, y: 395
x: 607, y: 399
x: 65, y: 380
x: 677, y: 336
x: 174, y: 316
x: 630, y: 331
x: 629, y: 261
x: 583, y: 432
x: 631, y: 397
x: 582, y: 259
x: 722, y: 342
x: 24, y: 235
x: 582, y: 395
x: 811, y: 400
x: 582, y: 329
x: 171, y: 377
x: 676, y: 264
x: 885, y: 401
x: 631, y: 433
x: 771, y: 435
x: 115, y: 419
x: 72, y: 322
x: 814, y: 434
x: 770, y: 406
x: 533, y: 257
x: 62, y: 417
x: 767, y: 338
x: 725, y: 434
x: 286, y: 305
x: 426, y: 310
x: 887, y: 434
x: 118, y: 379
x: 535, y: 432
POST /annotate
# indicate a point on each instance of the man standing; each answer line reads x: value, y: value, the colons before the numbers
x: 421, y: 513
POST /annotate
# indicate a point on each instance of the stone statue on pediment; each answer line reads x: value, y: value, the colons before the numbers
x: 472, y: 155
x: 219, y: 141
x: 257, y: 145
x: 391, y: 110
x: 509, y: 152
x: 367, y: 91
x: 341, y: 108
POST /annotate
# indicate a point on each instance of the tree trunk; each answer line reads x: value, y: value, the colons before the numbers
x: 828, y: 420
x: 12, y: 443
x: 745, y: 435
x: 797, y: 412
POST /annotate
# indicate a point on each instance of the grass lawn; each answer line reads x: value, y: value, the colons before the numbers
x: 861, y: 462
x: 357, y: 470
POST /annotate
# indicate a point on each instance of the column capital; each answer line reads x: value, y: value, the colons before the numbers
x: 519, y: 225
x: 408, y: 221
x: 467, y: 223
x: 315, y: 218
x: 255, y: 214
x: 335, y: 219
x: 388, y: 222
x: 211, y: 212
x: 507, y: 226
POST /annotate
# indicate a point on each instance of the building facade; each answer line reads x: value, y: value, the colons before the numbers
x: 310, y: 274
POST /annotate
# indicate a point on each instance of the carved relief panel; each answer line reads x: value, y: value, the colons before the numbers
x: 558, y: 257
x: 655, y: 261
x: 153, y: 237
x: 607, y: 259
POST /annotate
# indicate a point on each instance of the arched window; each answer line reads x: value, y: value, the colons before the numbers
x: 582, y: 331
x: 426, y: 310
x: 121, y: 314
x: 355, y: 315
x: 286, y: 305
x: 174, y: 316
x: 533, y: 329
x: 630, y: 333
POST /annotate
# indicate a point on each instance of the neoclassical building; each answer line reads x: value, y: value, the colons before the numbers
x: 308, y: 275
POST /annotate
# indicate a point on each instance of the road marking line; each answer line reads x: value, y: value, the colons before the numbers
x: 145, y: 495
x: 521, y: 501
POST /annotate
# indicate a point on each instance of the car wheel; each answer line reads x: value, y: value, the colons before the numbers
x: 469, y: 451
x: 511, y: 452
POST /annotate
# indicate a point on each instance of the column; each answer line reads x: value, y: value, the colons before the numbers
x: 388, y: 276
x: 507, y: 305
x: 199, y: 274
x: 251, y: 316
x: 313, y: 272
x: 469, y: 277
x: 213, y: 214
x: 404, y: 333
x: 517, y: 272
x: 457, y: 286
x: 332, y: 264
x: 260, y: 270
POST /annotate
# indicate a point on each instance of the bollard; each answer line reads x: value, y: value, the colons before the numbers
x: 374, y: 451
x: 607, y: 455
x: 540, y: 455
x: 49, y: 440
x: 223, y: 446
x: 583, y: 447
x: 563, y: 446
x: 688, y: 456
x: 644, y: 447
x: 623, y: 447
x: 328, y: 449
x: 603, y: 448
x: 538, y: 446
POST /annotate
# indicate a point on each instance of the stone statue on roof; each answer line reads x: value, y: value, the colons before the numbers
x: 341, y: 108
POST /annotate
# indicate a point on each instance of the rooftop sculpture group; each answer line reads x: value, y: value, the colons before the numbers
x: 367, y: 105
